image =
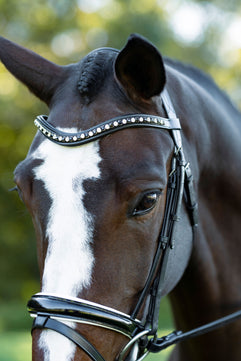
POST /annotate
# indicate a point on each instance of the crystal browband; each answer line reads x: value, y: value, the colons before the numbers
x: 105, y: 128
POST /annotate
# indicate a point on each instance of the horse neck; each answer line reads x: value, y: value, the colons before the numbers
x: 210, y: 287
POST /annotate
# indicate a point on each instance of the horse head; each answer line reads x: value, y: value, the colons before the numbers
x: 98, y: 206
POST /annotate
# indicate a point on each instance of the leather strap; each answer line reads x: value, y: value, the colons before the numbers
x: 84, y: 311
x: 189, y: 192
x: 103, y: 129
x: 178, y: 336
x: 172, y: 213
x: 42, y: 322
x: 154, y: 283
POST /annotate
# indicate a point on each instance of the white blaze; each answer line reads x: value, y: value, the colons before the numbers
x: 69, y: 260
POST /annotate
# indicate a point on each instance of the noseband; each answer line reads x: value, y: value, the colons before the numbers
x: 51, y: 311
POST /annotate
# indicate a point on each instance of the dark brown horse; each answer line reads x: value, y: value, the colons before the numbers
x: 98, y: 207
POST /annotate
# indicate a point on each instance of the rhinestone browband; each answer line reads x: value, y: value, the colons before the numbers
x: 105, y: 128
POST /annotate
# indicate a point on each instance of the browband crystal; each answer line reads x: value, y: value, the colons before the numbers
x: 105, y: 128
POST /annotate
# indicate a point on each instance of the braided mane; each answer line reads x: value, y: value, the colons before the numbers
x: 94, y: 71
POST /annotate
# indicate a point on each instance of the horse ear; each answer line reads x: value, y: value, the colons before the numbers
x: 139, y: 68
x: 40, y: 75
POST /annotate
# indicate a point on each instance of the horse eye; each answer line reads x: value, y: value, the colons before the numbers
x: 146, y: 203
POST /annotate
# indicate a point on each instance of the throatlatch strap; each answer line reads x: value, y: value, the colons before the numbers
x: 51, y: 324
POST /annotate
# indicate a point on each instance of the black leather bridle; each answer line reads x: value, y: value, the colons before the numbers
x: 50, y: 311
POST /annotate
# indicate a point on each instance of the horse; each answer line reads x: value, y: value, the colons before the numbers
x: 137, y: 150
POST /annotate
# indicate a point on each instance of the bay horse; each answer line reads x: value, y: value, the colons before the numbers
x: 112, y: 180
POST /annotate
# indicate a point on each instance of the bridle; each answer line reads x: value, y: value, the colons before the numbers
x: 50, y: 311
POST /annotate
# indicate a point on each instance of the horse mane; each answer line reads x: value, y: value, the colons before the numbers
x: 96, y: 66
x: 203, y: 79
x: 94, y: 70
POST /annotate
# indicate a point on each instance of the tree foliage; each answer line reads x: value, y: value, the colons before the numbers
x: 64, y: 31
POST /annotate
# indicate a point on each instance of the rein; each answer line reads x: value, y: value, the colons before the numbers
x: 51, y: 311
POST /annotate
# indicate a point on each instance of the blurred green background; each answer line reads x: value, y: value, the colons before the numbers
x: 205, y: 34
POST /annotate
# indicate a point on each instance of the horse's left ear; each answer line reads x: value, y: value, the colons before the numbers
x: 139, y: 68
